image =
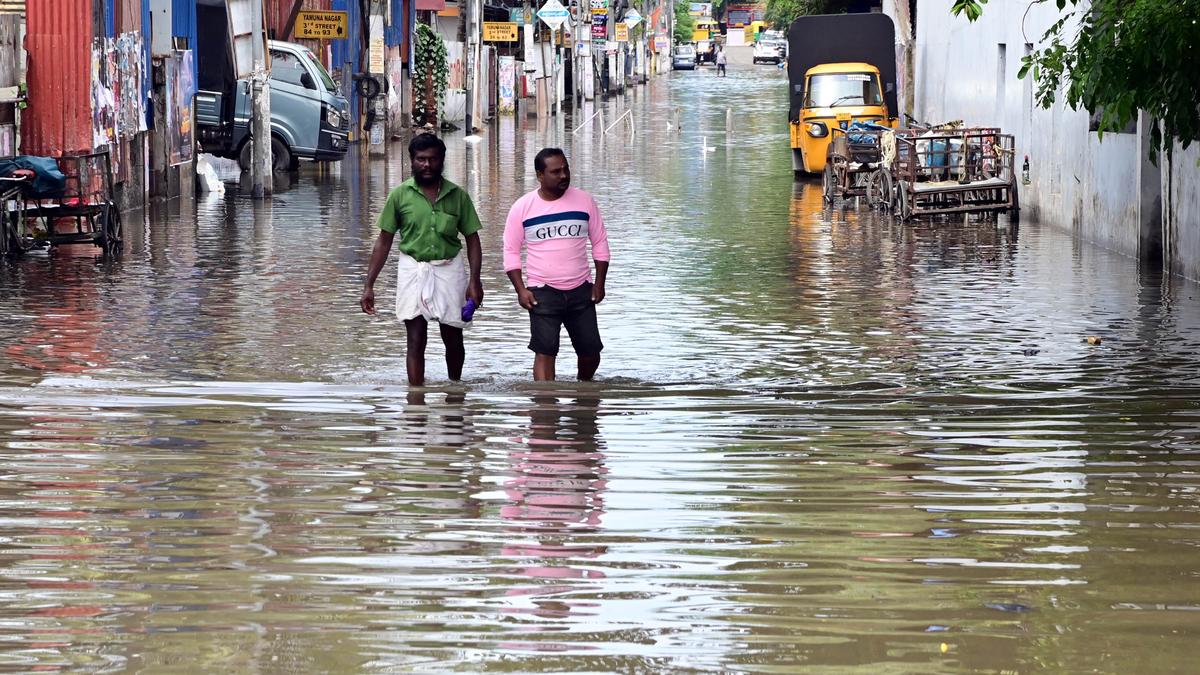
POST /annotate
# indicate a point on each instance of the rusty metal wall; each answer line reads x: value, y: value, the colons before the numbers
x: 59, y: 42
x: 279, y: 10
x: 129, y: 16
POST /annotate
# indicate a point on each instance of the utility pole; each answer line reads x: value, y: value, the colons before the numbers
x: 472, y: 40
x: 260, y: 115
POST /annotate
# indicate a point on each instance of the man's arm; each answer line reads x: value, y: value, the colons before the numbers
x: 524, y: 295
x: 514, y: 239
x: 598, y: 287
x: 598, y: 235
x: 475, y: 259
x: 379, y: 256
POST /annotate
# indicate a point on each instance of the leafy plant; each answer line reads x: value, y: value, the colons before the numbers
x: 781, y: 13
x: 431, y: 72
x: 685, y: 25
x: 1114, y: 57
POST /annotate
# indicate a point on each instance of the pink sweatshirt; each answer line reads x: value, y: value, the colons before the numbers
x: 555, y: 236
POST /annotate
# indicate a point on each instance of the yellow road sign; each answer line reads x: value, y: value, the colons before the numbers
x: 321, y: 25
x: 622, y: 33
x: 499, y: 31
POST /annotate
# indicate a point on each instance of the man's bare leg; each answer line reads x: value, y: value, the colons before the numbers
x: 456, y: 354
x: 418, y: 335
x: 588, y: 366
x: 543, y: 367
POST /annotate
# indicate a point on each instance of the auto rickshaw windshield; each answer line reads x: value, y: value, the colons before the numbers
x: 834, y: 89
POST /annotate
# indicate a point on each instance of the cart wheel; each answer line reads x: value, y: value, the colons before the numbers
x: 110, y: 234
x: 905, y: 201
x: 1014, y: 212
x: 879, y: 190
x: 827, y: 180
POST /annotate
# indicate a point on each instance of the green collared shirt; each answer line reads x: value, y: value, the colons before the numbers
x: 429, y: 231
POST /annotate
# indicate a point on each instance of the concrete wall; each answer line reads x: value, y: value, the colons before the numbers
x: 1104, y: 191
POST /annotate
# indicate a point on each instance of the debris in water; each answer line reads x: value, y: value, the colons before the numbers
x: 1093, y: 339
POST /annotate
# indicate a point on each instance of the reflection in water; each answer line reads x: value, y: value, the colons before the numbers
x: 825, y: 440
x: 555, y: 496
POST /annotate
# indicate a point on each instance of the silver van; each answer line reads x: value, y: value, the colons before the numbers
x: 310, y: 119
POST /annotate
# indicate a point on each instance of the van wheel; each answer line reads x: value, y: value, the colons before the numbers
x: 281, y: 157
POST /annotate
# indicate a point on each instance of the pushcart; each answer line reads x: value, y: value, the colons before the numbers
x: 82, y: 212
x: 965, y: 170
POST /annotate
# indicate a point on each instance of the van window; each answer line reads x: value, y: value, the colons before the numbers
x: 286, y: 67
x: 834, y: 89
x: 316, y: 65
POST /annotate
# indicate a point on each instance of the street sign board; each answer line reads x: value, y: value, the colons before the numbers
x: 632, y: 18
x: 661, y: 42
x: 499, y: 31
x: 622, y: 32
x: 321, y: 25
x: 516, y: 15
x: 553, y: 14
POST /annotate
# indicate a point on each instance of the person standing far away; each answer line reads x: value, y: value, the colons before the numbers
x: 554, y: 224
x: 434, y: 217
x: 721, y: 62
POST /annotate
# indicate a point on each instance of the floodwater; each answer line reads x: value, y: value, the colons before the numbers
x: 821, y: 440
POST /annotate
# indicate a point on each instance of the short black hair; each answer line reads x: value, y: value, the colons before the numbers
x: 539, y: 160
x: 425, y: 141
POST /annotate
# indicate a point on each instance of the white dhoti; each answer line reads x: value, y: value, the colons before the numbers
x: 435, y: 290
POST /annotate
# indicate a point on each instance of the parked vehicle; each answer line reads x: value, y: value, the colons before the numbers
x: 310, y: 119
x: 706, y: 52
x: 842, y: 69
x: 684, y: 58
x: 766, y: 52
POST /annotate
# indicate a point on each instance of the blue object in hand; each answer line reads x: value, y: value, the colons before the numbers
x: 468, y: 311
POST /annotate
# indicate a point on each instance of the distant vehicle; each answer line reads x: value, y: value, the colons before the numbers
x: 779, y: 44
x: 706, y: 52
x: 841, y: 70
x: 766, y: 52
x: 684, y: 58
x: 310, y: 119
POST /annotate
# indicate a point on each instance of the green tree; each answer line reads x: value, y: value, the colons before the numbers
x: 1116, y: 57
x: 684, y: 23
x: 781, y: 13
x: 430, y: 74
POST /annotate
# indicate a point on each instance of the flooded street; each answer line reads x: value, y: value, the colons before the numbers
x: 820, y: 440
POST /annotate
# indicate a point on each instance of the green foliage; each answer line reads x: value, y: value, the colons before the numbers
x: 684, y: 23
x: 430, y: 58
x: 1116, y: 57
x: 781, y: 13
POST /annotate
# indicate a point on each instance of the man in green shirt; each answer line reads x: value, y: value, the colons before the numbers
x: 430, y: 213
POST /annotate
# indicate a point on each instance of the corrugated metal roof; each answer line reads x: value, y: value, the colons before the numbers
x: 12, y: 7
x: 59, y: 42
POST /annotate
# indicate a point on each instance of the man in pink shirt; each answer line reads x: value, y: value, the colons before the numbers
x: 554, y: 224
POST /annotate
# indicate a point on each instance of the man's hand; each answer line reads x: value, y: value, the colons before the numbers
x: 525, y: 297
x: 367, y: 301
x: 475, y: 292
x: 597, y: 293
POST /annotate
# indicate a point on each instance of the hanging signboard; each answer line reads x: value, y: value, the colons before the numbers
x: 499, y: 31
x: 321, y: 25
x: 622, y: 32
x: 553, y: 14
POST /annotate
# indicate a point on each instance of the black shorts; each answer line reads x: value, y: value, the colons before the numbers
x: 555, y: 309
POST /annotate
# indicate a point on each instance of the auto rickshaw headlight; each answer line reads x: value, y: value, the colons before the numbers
x: 817, y: 130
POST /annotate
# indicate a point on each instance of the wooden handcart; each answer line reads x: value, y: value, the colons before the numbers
x: 82, y: 213
x: 966, y: 170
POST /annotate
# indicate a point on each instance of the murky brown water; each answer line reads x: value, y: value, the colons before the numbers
x: 822, y: 441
